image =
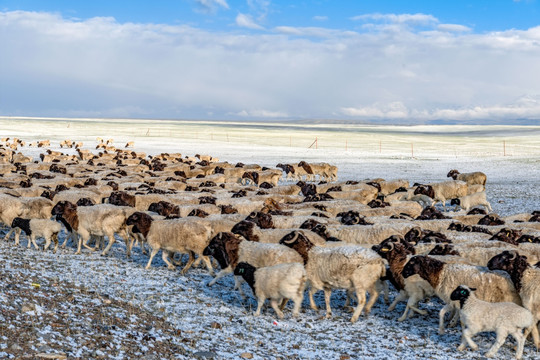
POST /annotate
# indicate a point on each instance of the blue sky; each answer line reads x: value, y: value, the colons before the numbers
x: 479, y: 15
x: 265, y: 60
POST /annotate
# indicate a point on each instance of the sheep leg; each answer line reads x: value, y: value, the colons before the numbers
x: 501, y: 337
x: 361, y: 295
x: 17, y: 235
x: 443, y: 312
x: 312, y: 304
x: 536, y: 336
x: 47, y: 243
x: 208, y: 264
x: 165, y: 255
x: 467, y: 336
x: 297, y: 304
x: 273, y: 303
x: 401, y: 296
x: 373, y: 296
x: 283, y: 304
x: 55, y: 240
x: 68, y: 236
x: 260, y: 303
x: 83, y: 239
x: 327, y: 294
x: 238, y: 286
x: 152, y: 254
x: 127, y: 242
x: 219, y: 275
x: 189, y: 262
x: 8, y: 235
x: 520, y: 339
x: 32, y: 240
x: 455, y: 318
x: 111, y: 242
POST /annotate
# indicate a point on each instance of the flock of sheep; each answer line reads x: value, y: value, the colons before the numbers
x: 290, y: 228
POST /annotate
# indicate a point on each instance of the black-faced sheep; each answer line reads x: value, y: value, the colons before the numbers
x: 347, y: 267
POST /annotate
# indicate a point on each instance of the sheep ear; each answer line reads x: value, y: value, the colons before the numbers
x: 472, y: 289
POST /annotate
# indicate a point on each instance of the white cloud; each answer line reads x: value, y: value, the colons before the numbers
x: 262, y: 114
x: 453, y: 28
x: 245, y: 20
x: 100, y: 67
x: 211, y: 6
x: 420, y: 19
x: 320, y: 18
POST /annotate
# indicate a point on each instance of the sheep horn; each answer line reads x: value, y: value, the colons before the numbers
x: 294, y: 239
x: 514, y: 255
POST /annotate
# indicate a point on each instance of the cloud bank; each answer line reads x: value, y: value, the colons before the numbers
x: 383, y: 67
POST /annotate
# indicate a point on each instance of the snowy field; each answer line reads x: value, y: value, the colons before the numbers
x: 215, y: 322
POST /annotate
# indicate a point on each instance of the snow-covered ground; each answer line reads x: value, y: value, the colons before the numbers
x: 215, y: 322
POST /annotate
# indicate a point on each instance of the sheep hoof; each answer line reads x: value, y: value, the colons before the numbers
x: 461, y: 347
x: 402, y: 318
x: 441, y: 331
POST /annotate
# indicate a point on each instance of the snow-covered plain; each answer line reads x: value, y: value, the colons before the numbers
x: 510, y: 156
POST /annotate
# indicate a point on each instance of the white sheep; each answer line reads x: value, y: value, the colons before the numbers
x: 468, y: 201
x: 444, y: 278
x: 170, y: 236
x: 278, y: 282
x: 347, y: 267
x: 34, y: 228
x: 505, y: 318
x: 526, y: 279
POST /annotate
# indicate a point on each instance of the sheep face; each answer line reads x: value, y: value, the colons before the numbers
x: 453, y: 174
x: 455, y: 202
x: 23, y: 224
x: 444, y: 250
x: 428, y: 268
x: 61, y: 207
x: 528, y: 239
x: 122, y: 198
x: 262, y: 220
x: 224, y: 248
x: 199, y: 213
x: 461, y: 293
x: 85, y: 202
x: 141, y: 222
x: 298, y: 241
x: 425, y: 190
x: 509, y: 261
x: 309, y: 224
x: 245, y: 229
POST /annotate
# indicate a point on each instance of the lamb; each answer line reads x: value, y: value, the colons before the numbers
x: 278, y: 282
x: 474, y: 178
x: 526, y: 279
x: 230, y: 249
x: 503, y: 317
x: 346, y: 267
x: 178, y: 235
x: 97, y: 220
x: 468, y: 201
x: 444, y: 278
x: 443, y: 191
x: 34, y: 228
